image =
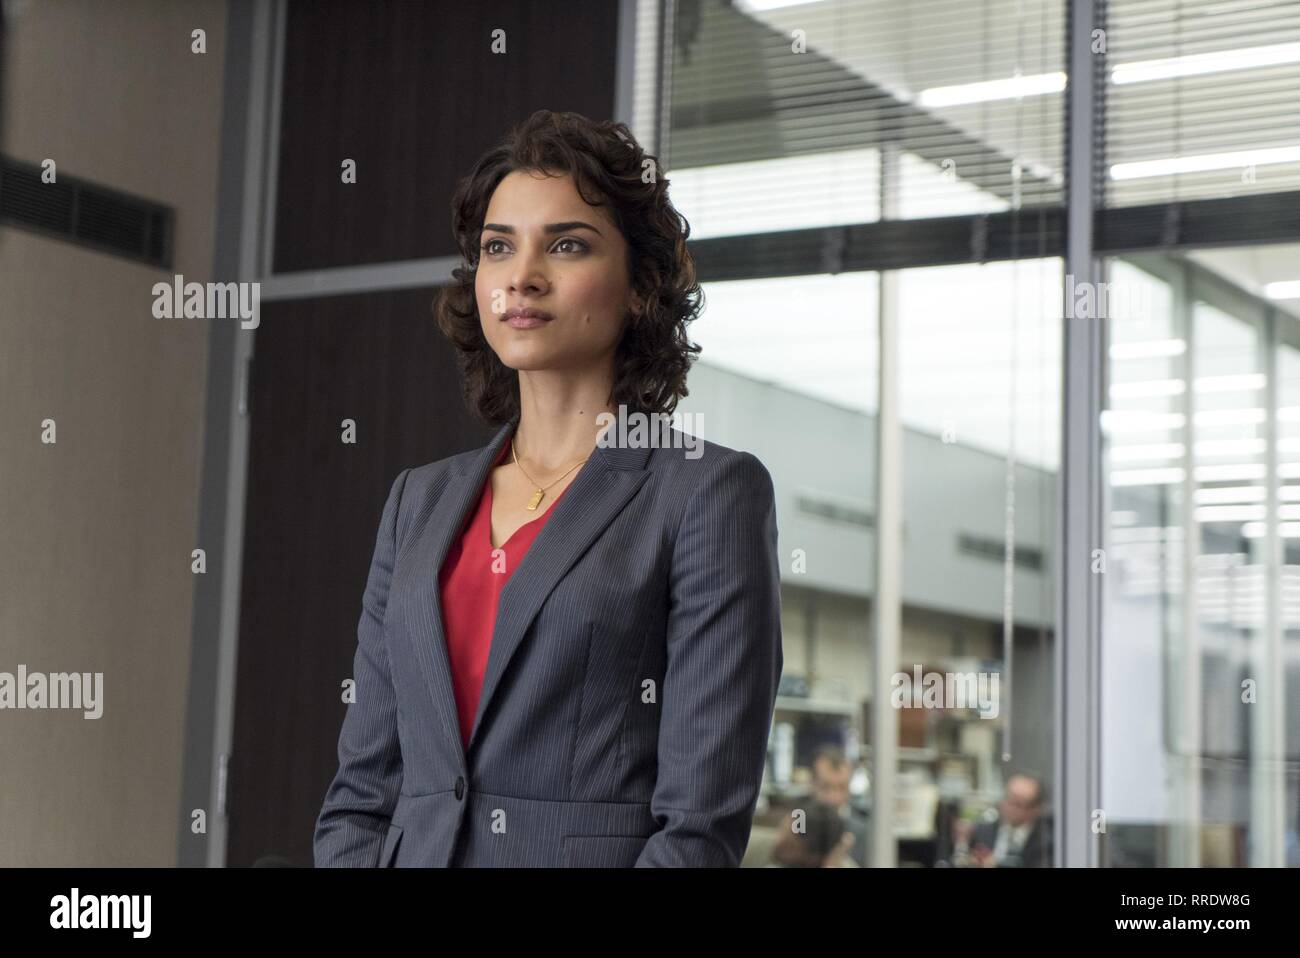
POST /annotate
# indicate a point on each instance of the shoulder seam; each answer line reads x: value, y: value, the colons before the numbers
x: 695, y: 493
x: 397, y: 513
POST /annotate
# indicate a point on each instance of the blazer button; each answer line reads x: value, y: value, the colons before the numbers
x: 460, y: 787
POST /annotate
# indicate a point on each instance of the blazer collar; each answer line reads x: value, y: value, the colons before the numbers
x: 602, y: 487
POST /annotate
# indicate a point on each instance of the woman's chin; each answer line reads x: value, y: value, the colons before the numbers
x: 528, y: 360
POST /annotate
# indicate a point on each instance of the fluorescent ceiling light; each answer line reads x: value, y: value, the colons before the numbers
x: 1228, y: 494
x: 1145, y: 477
x: 1150, y: 349
x: 1231, y: 383
x: 764, y: 6
x: 1204, y: 162
x: 1146, y: 388
x: 1234, y: 494
x: 1257, y: 530
x: 1137, y: 453
x: 1229, y: 417
x: 1286, y: 289
x: 1141, y: 71
x: 1230, y: 447
x: 1230, y: 472
x: 1229, y: 513
x: 1197, y: 64
x: 1008, y: 89
x: 1115, y: 421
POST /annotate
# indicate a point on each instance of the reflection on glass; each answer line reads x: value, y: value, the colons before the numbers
x: 789, y: 371
x: 892, y: 112
x: 1288, y: 524
x: 979, y: 382
x: 1143, y: 424
x: 1192, y: 726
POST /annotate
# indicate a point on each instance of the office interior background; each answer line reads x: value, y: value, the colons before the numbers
x: 1004, y: 293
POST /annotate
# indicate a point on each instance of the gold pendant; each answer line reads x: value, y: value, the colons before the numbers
x: 532, y: 503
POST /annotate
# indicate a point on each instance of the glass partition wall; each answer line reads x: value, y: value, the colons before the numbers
x: 877, y: 194
x: 1200, y: 626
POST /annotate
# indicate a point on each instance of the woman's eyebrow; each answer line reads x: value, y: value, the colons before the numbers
x: 548, y: 228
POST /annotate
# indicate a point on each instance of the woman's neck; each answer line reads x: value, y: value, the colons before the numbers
x: 558, y: 421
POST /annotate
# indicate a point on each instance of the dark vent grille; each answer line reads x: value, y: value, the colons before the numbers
x: 836, y: 511
x: 996, y: 550
x: 86, y: 214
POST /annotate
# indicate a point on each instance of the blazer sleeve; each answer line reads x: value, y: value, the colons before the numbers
x: 360, y: 800
x: 724, y: 662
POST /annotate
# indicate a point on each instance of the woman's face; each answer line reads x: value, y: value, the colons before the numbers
x: 543, y: 247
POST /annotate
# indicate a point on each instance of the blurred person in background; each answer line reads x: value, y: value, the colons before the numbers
x: 1021, y: 835
x: 832, y: 836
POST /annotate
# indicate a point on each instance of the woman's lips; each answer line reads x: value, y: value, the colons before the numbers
x: 526, y: 317
x: 526, y: 322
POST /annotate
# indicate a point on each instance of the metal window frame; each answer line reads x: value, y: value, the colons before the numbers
x: 1080, y: 489
x: 254, y: 39
x: 887, y: 600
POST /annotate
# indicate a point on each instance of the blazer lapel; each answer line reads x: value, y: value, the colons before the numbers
x: 432, y: 540
x: 604, y: 484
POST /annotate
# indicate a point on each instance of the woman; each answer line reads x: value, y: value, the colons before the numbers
x: 570, y: 640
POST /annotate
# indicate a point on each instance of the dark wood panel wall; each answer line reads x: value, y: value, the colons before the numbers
x: 313, y: 508
x: 414, y: 94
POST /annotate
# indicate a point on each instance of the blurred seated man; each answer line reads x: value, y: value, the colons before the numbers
x: 827, y: 836
x: 1021, y: 837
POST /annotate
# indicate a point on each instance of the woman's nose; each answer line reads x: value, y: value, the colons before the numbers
x: 528, y: 275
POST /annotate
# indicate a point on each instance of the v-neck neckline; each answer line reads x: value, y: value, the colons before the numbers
x: 488, y: 498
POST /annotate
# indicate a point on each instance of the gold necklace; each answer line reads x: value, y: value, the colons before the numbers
x: 541, y: 490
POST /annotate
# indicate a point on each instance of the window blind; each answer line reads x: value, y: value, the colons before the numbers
x: 1202, y: 99
x: 793, y: 115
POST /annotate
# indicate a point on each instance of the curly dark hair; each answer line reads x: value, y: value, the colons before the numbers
x: 607, y: 166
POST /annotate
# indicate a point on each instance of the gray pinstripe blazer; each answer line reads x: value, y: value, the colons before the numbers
x: 630, y: 682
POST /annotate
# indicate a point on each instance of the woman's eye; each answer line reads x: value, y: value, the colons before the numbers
x: 577, y: 244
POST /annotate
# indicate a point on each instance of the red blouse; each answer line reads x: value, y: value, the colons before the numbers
x: 470, y: 590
